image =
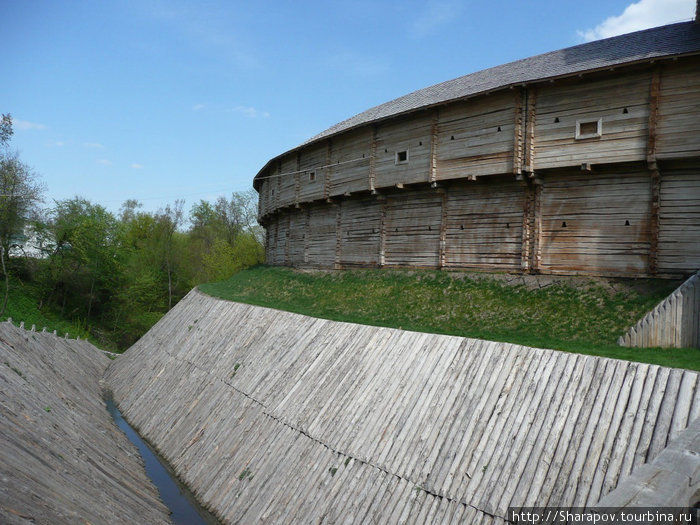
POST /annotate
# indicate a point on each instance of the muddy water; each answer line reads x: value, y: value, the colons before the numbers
x: 184, y: 509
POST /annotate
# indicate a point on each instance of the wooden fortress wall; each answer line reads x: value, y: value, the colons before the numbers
x: 596, y: 175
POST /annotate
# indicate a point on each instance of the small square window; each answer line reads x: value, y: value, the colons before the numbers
x: 401, y: 157
x: 586, y: 129
x: 312, y: 176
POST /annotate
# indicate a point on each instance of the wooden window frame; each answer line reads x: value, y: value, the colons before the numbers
x: 398, y: 161
x: 597, y: 134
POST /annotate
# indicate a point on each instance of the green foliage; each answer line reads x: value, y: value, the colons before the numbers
x: 587, y: 318
x: 115, y: 276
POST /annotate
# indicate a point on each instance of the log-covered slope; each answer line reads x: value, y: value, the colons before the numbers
x: 271, y: 416
x: 62, y: 458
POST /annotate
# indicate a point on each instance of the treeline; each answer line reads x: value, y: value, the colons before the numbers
x: 115, y: 274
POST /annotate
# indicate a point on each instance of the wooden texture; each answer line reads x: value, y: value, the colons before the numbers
x: 275, y: 417
x: 596, y: 223
x: 679, y: 219
x: 476, y: 138
x: 673, y: 323
x: 298, y: 229
x: 63, y: 460
x: 650, y: 124
x: 413, y: 229
x: 624, y: 135
x: 359, y: 233
x: 411, y: 135
x: 350, y: 160
x: 286, y: 183
x: 312, y: 160
x: 484, y: 225
x: 321, y: 232
x: 678, y: 128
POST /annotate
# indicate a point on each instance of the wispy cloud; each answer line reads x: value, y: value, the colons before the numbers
x: 250, y: 112
x: 137, y: 166
x: 435, y: 14
x: 26, y: 125
x: 103, y: 162
x: 57, y: 143
x: 93, y: 145
x: 198, y: 107
x: 641, y: 15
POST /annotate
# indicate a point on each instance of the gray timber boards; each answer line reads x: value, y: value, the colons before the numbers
x: 582, y: 161
x: 276, y: 417
x: 62, y: 458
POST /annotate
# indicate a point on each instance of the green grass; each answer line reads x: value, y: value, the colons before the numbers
x: 582, y: 315
x: 22, y: 305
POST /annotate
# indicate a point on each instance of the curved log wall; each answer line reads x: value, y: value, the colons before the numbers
x: 276, y: 417
x: 596, y: 173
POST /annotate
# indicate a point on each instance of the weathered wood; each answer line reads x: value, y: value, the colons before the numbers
x: 333, y: 420
x: 596, y: 223
x: 672, y: 323
x: 649, y: 125
x: 62, y: 457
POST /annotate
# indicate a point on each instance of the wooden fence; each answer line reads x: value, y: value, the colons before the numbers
x: 275, y: 417
x: 62, y: 458
x: 675, y: 322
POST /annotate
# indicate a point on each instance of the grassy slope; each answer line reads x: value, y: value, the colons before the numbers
x: 22, y: 305
x: 587, y: 318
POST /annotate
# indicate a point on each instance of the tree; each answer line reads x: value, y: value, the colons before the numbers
x: 225, y: 236
x: 84, y: 261
x: 20, y: 194
x: 21, y: 191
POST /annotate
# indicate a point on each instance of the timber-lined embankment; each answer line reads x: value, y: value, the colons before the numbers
x: 277, y: 417
x: 62, y: 459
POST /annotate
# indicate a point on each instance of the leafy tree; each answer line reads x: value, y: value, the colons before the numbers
x: 20, y: 194
x: 84, y: 258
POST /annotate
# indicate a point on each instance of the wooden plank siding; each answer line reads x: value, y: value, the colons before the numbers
x: 412, y: 135
x: 413, y: 229
x: 596, y: 223
x: 360, y: 232
x: 350, y: 160
x: 281, y: 232
x: 286, y: 184
x: 624, y: 135
x: 476, y: 137
x: 321, y: 231
x: 679, y: 112
x: 485, y: 225
x: 679, y: 219
x: 297, y: 237
x: 285, y: 418
x: 647, y: 114
x: 312, y: 160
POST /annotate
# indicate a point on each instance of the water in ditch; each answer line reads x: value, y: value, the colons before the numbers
x: 184, y: 509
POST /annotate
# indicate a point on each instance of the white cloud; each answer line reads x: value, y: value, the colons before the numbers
x: 93, y: 145
x: 57, y: 143
x: 104, y: 162
x: 25, y: 124
x: 137, y: 166
x: 251, y: 112
x: 197, y: 107
x: 435, y: 14
x: 641, y: 15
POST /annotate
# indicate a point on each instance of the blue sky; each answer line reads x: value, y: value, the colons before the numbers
x: 157, y: 100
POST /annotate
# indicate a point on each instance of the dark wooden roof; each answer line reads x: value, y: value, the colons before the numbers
x: 660, y: 42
